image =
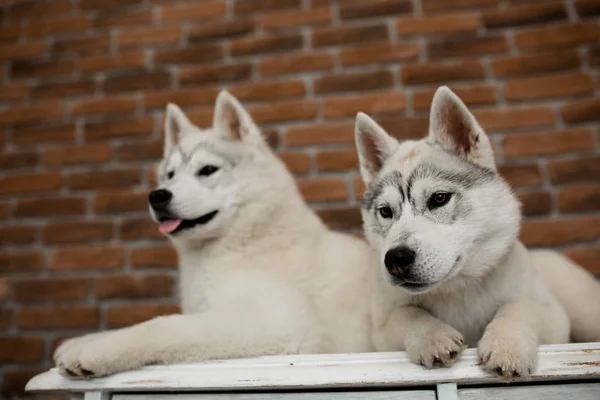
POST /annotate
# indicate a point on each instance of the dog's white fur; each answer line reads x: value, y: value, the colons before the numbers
x: 471, y: 277
x: 265, y: 276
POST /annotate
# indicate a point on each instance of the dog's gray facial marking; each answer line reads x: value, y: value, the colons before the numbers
x: 474, y: 177
x: 374, y: 190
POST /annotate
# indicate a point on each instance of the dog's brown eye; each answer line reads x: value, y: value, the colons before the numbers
x: 208, y: 170
x: 439, y: 199
x: 170, y: 174
x: 386, y: 212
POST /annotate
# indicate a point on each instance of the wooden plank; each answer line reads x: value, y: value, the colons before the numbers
x: 583, y: 391
x: 366, y: 395
x: 556, y: 362
x: 447, y: 391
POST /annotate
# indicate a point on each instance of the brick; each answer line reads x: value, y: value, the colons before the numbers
x: 137, y: 126
x: 252, y: 6
x: 10, y: 33
x: 441, y: 72
x: 294, y: 18
x: 154, y: 256
x: 405, y: 127
x: 61, y: 90
x: 190, y: 54
x: 120, y: 201
x: 374, y: 8
x: 521, y: 175
x: 323, y: 189
x: 438, y: 24
x: 556, y: 142
x: 473, y: 95
x: 215, y: 73
x: 37, y: 69
x: 268, y: 90
x: 123, y: 61
x: 333, y: 36
x: 57, y: 26
x: 79, y: 154
x: 10, y: 160
x: 21, y: 349
x: 33, y: 113
x: 464, y: 47
x: 574, y: 169
x: 137, y: 81
x: 582, y: 110
x: 122, y: 177
x: 498, y: 119
x: 379, y: 53
x: 4, y: 210
x: 64, y: 317
x: 17, y: 91
x: 22, y: 260
x: 21, y: 51
x: 373, y: 103
x: 50, y: 289
x: 285, y: 110
x: 17, y: 234
x: 594, y: 57
x: 30, y: 182
x: 315, y: 134
x: 435, y: 6
x: 44, y: 134
x: 13, y: 383
x: 87, y: 257
x: 265, y: 44
x: 580, y: 197
x: 192, y: 10
x: 88, y: 45
x: 118, y: 316
x: 77, y: 232
x: 182, y: 97
x: 105, y: 4
x: 337, y: 160
x: 525, y: 14
x: 105, y: 105
x: 135, y: 151
x: 294, y: 63
x: 3, y: 291
x: 548, y: 86
x: 587, y: 8
x: 586, y: 256
x: 124, y: 18
x: 6, y: 318
x: 559, y: 36
x: 535, y: 63
x: 351, y: 81
x: 129, y: 287
x: 50, y: 207
x: 36, y: 10
x: 559, y: 231
x: 220, y: 29
x: 296, y: 162
x: 341, y: 218
x: 148, y: 36
x: 139, y: 228
x: 537, y: 202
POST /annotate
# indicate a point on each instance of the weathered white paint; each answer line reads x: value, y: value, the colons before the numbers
x: 447, y: 391
x: 579, y: 391
x: 556, y: 362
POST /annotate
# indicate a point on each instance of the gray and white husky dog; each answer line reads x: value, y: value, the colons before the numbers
x: 446, y: 227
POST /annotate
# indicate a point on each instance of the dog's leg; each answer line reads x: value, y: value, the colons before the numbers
x: 427, y: 340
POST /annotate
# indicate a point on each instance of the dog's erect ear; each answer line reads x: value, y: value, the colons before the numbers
x: 454, y: 127
x: 232, y: 121
x: 374, y: 146
x: 175, y: 124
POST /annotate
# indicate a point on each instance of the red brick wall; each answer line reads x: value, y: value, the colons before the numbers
x: 84, y: 84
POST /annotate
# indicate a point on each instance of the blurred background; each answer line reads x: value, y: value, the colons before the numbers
x: 85, y: 83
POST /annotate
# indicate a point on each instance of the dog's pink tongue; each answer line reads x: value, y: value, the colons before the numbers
x: 169, y: 226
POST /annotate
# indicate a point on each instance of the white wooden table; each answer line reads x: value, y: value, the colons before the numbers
x: 564, y: 371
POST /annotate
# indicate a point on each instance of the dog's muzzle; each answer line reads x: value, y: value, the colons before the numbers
x: 159, y: 199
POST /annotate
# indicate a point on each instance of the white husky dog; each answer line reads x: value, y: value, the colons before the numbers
x: 446, y: 227
x: 259, y: 272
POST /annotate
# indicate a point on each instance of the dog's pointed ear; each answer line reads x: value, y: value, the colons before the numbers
x: 176, y: 122
x: 232, y: 121
x: 455, y: 129
x: 374, y: 146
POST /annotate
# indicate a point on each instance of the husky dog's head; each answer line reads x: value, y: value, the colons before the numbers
x: 208, y: 175
x: 435, y: 208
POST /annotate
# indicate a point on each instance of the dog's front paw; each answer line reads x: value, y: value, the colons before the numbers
x: 92, y: 356
x: 440, y: 348
x: 509, y: 356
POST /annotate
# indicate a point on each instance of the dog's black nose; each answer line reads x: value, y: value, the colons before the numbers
x: 399, y: 260
x: 160, y: 199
